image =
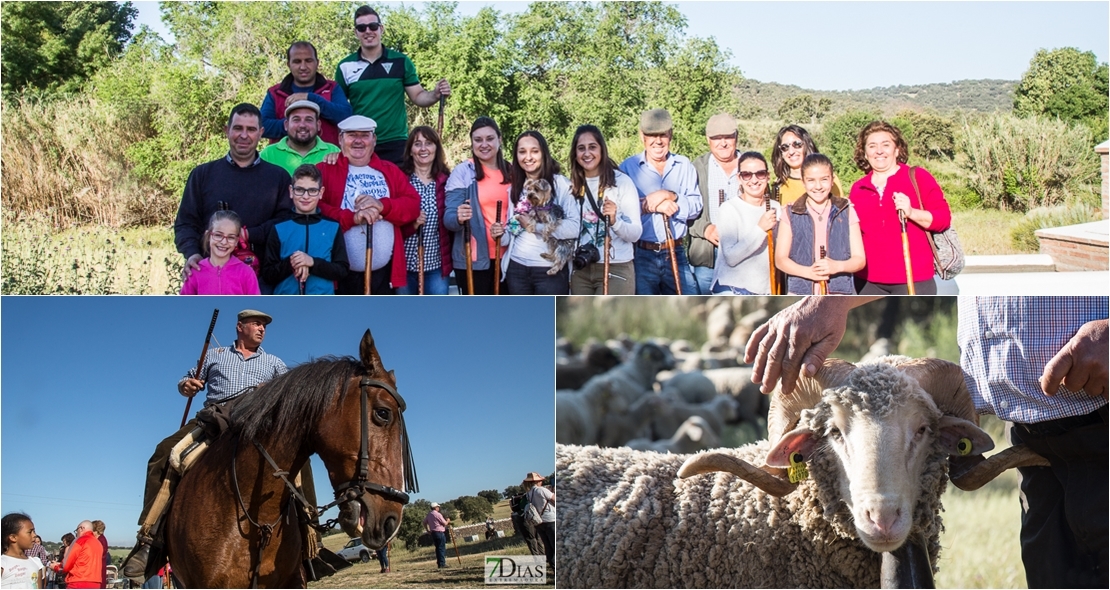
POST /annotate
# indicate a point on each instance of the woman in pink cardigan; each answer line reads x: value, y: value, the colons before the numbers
x: 879, y: 197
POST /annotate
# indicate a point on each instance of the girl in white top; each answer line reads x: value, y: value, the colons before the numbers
x: 524, y: 268
x: 16, y: 569
x: 594, y: 174
x: 743, y: 266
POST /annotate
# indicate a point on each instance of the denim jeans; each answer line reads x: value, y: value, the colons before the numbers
x: 654, y: 275
x: 719, y: 289
x: 440, y: 540
x: 534, y: 280
x: 383, y: 556
x: 702, y: 277
x: 434, y: 283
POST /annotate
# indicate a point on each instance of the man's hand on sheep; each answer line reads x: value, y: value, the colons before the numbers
x: 802, y: 335
x: 1081, y: 364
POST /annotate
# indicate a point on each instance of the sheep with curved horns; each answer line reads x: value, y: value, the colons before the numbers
x: 874, y: 439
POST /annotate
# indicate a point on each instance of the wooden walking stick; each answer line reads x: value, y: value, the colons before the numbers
x: 454, y: 542
x: 200, y: 363
x: 369, y: 258
x: 771, y: 249
x: 469, y: 263
x: 906, y: 254
x: 306, y: 252
x: 605, y: 266
x: 823, y: 286
x: 439, y: 126
x: 670, y: 250
x: 497, y: 255
x: 420, y: 260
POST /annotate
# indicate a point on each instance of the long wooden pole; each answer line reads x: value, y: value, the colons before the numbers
x: 497, y: 255
x: 369, y: 258
x: 455, y: 542
x: 670, y: 250
x: 200, y: 363
x: 420, y: 260
x: 605, y: 256
x: 771, y: 250
x: 469, y: 263
x: 306, y: 250
x: 823, y: 286
x: 906, y: 255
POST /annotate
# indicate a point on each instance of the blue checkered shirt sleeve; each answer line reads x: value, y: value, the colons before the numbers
x: 1005, y: 343
x: 226, y: 373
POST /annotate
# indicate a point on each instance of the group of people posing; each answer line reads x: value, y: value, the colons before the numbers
x: 383, y: 213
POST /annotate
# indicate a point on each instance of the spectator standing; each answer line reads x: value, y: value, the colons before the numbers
x: 525, y: 528
x: 668, y: 189
x: 364, y: 192
x: 544, y: 501
x: 37, y: 550
x: 377, y: 80
x: 304, y: 83
x: 436, y: 525
x: 84, y: 561
x: 240, y: 181
x: 426, y: 167
x: 383, y: 557
x: 743, y: 267
x: 302, y: 143
x: 792, y: 145
x: 98, y: 530
x: 478, y: 184
x: 718, y: 181
x: 603, y: 191
x: 18, y: 569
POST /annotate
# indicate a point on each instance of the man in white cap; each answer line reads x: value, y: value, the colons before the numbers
x: 668, y: 188
x: 228, y: 372
x: 436, y: 525
x: 718, y: 174
x: 304, y: 82
x: 362, y: 190
x: 301, y: 144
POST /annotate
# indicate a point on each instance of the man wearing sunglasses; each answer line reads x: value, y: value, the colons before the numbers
x: 717, y: 175
x: 377, y: 79
x: 304, y: 82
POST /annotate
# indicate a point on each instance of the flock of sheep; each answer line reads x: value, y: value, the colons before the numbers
x: 844, y: 492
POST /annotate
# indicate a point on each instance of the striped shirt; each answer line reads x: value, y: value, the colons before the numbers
x: 1005, y: 343
x: 226, y: 372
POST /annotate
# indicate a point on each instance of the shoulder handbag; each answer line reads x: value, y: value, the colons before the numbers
x: 948, y: 255
x: 530, y: 513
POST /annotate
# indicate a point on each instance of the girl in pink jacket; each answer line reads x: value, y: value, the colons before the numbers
x: 221, y: 273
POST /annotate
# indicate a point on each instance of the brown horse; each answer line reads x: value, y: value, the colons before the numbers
x: 233, y: 522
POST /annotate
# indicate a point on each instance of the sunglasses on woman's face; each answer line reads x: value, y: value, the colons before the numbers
x: 794, y: 144
x: 761, y: 175
x: 362, y: 28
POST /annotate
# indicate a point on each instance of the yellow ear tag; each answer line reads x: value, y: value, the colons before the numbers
x: 797, y: 470
x: 963, y: 447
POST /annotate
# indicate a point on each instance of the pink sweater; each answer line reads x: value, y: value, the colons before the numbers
x: 233, y: 278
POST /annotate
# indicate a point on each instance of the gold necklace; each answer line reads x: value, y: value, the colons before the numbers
x: 821, y: 213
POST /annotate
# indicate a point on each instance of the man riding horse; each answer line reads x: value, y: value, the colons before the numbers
x: 228, y: 372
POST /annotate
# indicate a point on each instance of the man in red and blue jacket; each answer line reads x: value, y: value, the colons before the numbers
x: 304, y: 83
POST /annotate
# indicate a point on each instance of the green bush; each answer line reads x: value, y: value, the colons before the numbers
x: 837, y: 140
x: 1023, y: 163
x: 1022, y: 234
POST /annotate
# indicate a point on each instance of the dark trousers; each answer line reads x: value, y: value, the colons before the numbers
x: 546, y: 531
x: 928, y: 287
x: 483, y: 281
x: 355, y: 283
x: 440, y: 540
x: 534, y: 280
x: 394, y: 151
x: 1064, y: 507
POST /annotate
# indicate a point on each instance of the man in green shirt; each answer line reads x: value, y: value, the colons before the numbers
x: 377, y: 79
x: 301, y: 144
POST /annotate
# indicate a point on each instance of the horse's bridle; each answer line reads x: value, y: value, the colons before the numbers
x: 362, y: 484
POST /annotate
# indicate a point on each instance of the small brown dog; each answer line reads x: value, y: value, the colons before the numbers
x: 537, y: 206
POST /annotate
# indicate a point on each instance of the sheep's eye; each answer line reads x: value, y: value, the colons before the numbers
x: 834, y: 432
x: 920, y: 432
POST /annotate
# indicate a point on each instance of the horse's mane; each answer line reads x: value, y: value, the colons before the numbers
x: 292, y: 403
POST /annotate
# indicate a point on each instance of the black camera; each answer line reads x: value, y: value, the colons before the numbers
x: 585, y: 255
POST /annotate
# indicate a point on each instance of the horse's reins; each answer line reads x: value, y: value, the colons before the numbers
x: 349, y: 492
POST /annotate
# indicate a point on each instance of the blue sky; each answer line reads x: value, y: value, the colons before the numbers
x: 859, y: 45
x: 89, y: 388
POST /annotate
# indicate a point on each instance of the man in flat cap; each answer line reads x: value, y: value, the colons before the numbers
x: 668, y: 188
x: 228, y: 372
x: 718, y: 176
x: 363, y: 191
x: 304, y: 82
x: 302, y: 143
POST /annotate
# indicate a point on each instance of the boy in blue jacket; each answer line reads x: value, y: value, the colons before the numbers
x: 305, y: 255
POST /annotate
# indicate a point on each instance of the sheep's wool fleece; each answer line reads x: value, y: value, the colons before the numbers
x: 625, y: 520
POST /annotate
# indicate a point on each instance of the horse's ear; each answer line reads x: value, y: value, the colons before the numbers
x: 368, y: 353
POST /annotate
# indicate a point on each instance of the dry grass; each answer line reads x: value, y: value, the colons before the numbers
x: 987, y: 231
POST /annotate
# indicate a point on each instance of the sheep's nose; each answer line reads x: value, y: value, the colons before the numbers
x: 883, y: 519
